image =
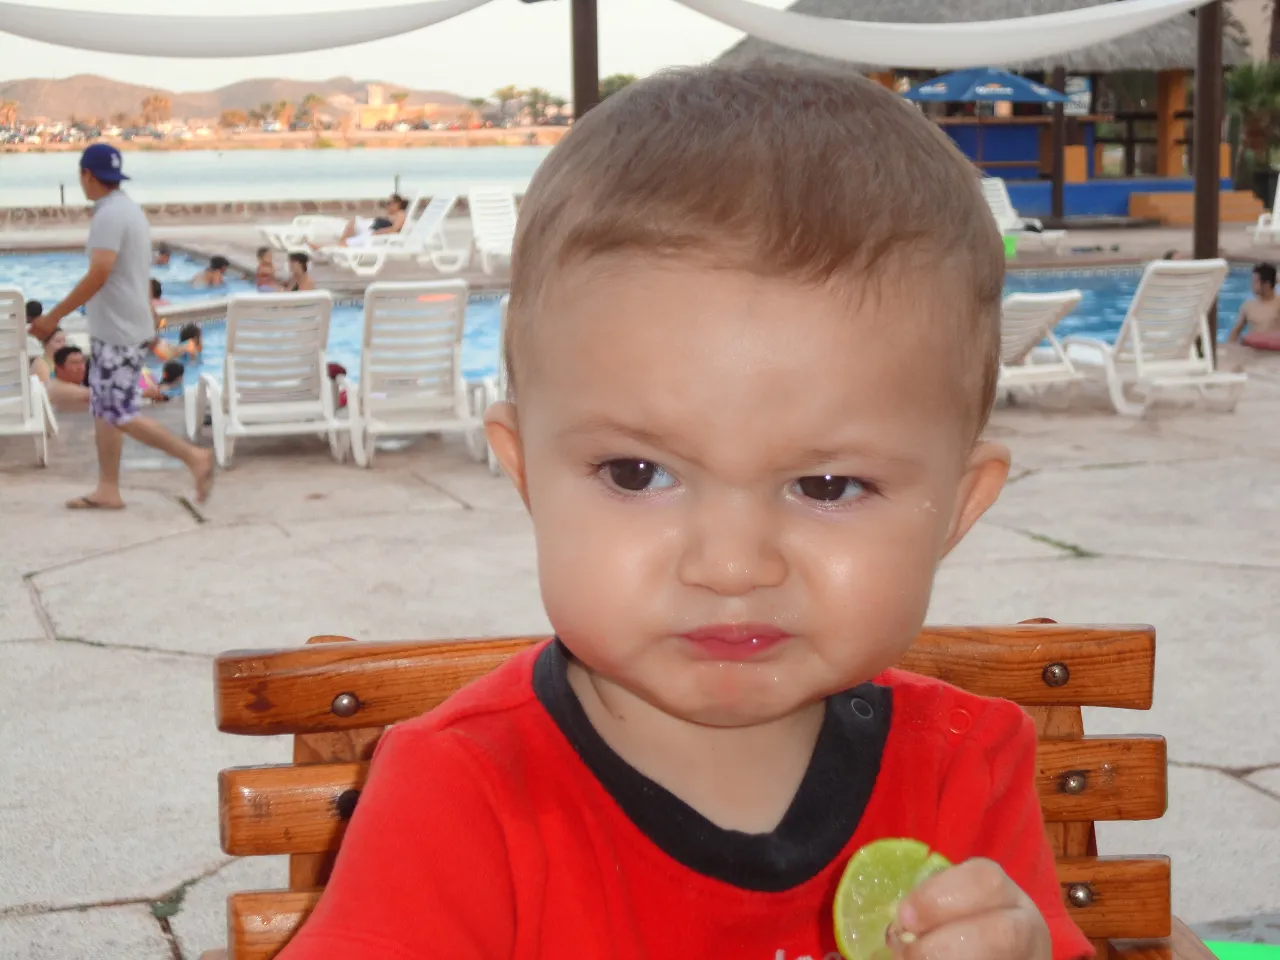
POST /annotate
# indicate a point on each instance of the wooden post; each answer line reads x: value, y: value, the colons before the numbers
x: 1059, y: 146
x: 1171, y: 97
x: 586, y: 56
x: 1208, y: 134
x: 885, y: 78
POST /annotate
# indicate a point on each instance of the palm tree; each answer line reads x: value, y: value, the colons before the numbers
x: 537, y: 100
x: 285, y: 112
x: 8, y: 113
x: 156, y: 108
x: 1253, y: 96
x: 615, y: 82
x: 308, y: 107
x: 398, y: 98
x: 504, y: 96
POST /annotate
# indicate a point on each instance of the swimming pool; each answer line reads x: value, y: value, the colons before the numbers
x: 1107, y: 292
x: 48, y: 276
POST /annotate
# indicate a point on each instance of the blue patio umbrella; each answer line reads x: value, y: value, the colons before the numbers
x: 983, y: 85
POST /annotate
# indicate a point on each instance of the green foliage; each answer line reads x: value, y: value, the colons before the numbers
x: 1253, y: 97
x: 614, y: 82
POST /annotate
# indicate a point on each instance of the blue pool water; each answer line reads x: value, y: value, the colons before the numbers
x: 47, y: 277
x: 1107, y: 292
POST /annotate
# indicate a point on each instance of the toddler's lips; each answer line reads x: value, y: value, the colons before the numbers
x: 735, y: 641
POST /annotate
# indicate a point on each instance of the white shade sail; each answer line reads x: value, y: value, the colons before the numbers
x: 943, y: 46
x: 153, y: 35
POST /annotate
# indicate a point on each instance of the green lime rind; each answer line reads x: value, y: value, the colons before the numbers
x: 874, y: 882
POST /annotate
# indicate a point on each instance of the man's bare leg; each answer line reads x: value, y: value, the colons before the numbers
x: 198, y: 460
x: 106, y: 496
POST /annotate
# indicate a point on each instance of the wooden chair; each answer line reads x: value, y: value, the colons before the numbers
x: 336, y: 698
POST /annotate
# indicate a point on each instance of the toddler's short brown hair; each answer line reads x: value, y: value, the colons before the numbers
x: 777, y: 170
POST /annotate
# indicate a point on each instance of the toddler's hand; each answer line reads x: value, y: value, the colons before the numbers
x: 972, y: 912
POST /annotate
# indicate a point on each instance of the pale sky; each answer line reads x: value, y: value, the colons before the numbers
x: 502, y: 42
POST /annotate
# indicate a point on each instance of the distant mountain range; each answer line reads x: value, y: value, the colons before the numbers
x: 97, y: 98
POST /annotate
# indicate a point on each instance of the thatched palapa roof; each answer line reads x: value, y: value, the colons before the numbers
x: 1170, y: 45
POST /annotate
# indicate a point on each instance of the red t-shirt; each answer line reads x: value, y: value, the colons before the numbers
x: 500, y: 825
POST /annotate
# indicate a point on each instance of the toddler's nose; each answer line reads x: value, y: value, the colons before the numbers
x: 731, y: 548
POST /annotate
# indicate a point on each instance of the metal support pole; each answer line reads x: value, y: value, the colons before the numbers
x: 1208, y: 135
x: 586, y: 56
x: 1059, y: 146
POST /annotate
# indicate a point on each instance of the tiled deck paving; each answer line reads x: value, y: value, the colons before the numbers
x: 108, y: 622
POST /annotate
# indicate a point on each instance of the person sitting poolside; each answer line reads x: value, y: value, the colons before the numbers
x: 157, y: 294
x: 299, y: 278
x: 214, y: 275
x: 163, y: 255
x: 266, y: 276
x: 1260, y: 314
x: 360, y: 229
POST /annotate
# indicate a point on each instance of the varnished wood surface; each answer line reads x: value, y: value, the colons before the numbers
x: 302, y: 809
x: 293, y: 690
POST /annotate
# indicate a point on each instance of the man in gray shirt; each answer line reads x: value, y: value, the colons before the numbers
x: 116, y: 294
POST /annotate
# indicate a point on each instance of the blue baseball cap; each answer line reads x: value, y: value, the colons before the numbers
x: 104, y: 162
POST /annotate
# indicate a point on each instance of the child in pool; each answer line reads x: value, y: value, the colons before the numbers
x: 265, y: 278
x: 167, y: 387
x: 753, y: 341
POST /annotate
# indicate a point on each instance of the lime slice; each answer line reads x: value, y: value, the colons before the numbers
x: 875, y: 881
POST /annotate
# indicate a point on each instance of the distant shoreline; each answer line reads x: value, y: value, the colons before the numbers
x: 541, y: 136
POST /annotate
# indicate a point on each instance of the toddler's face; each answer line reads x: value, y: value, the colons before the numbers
x: 740, y: 487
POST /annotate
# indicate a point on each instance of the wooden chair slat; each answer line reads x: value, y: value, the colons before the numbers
x: 1128, y: 896
x: 303, y: 809
x: 1102, y: 778
x: 260, y: 923
x: 267, y: 692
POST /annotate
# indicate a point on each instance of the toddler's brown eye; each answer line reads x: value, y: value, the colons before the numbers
x: 828, y: 489
x: 637, y: 475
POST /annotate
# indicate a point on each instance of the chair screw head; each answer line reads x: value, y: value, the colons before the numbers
x: 1056, y: 675
x: 1080, y: 895
x: 345, y: 705
x: 1074, y: 783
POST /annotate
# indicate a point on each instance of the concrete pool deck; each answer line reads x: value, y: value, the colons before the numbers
x: 109, y: 622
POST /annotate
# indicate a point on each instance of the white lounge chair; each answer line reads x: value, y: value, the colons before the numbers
x: 1026, y: 321
x: 411, y: 378
x: 996, y: 192
x: 306, y: 230
x: 275, y: 378
x: 25, y: 410
x: 322, y: 251
x: 424, y: 240
x: 1267, y: 229
x: 493, y: 224
x: 1156, y: 346
x: 495, y: 387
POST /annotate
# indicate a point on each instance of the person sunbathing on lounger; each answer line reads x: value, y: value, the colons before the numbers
x: 1260, y: 313
x: 360, y: 229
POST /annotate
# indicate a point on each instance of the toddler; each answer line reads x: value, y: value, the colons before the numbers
x: 753, y: 341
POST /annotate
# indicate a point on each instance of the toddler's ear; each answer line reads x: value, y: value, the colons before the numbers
x: 503, y: 433
x: 983, y: 479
